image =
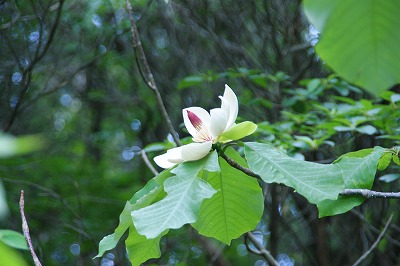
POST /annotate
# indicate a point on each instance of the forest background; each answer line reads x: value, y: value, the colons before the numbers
x: 319, y: 78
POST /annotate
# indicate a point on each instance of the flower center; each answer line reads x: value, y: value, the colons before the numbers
x: 202, y: 131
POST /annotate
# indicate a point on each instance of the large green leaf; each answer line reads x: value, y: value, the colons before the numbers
x: 151, y: 192
x: 358, y: 172
x: 359, y: 40
x: 237, y: 206
x: 185, y: 193
x: 316, y: 182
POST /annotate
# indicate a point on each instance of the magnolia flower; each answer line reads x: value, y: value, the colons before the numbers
x: 207, y: 129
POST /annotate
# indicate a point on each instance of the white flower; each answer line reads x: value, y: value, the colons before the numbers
x: 206, y: 129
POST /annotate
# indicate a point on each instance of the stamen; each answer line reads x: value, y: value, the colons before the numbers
x: 195, y: 120
x: 202, y: 131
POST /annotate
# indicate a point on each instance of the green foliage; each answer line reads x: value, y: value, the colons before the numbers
x: 316, y: 182
x: 237, y: 206
x: 185, y: 193
x: 13, y: 239
x: 358, y: 171
x: 13, y: 146
x: 370, y: 59
x: 10, y: 256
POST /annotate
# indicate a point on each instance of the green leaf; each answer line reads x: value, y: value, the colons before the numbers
x: 9, y: 256
x: 191, y: 81
x: 357, y: 173
x: 367, y: 129
x: 384, y: 161
x: 10, y: 145
x: 316, y: 182
x: 359, y: 40
x: 144, y: 197
x: 389, y: 178
x: 237, y: 206
x: 185, y: 192
x: 356, y: 154
x: 13, y: 239
x: 140, y: 249
x: 238, y: 131
x: 396, y: 159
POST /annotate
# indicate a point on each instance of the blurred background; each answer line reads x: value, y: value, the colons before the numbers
x: 68, y: 73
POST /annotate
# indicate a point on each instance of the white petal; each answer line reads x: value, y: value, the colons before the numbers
x: 162, y: 161
x: 195, y: 151
x: 218, y: 122
x: 175, y: 155
x: 200, y: 113
x: 230, y: 105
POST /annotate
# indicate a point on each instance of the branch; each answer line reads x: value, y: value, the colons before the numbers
x: 146, y: 73
x: 25, y: 229
x: 375, y: 244
x: 262, y: 250
x: 148, y: 163
x: 366, y: 193
x: 234, y: 164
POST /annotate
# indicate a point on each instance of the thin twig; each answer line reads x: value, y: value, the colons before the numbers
x: 25, y: 229
x: 263, y: 251
x: 375, y: 244
x: 148, y: 163
x: 146, y: 73
x: 366, y: 193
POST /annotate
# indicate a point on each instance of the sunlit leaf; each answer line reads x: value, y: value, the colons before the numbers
x: 237, y: 206
x: 370, y: 59
x: 314, y: 181
x: 238, y: 131
x: 186, y: 191
x: 10, y: 257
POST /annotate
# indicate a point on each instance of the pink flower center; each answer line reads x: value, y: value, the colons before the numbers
x: 195, y: 120
x: 202, y: 131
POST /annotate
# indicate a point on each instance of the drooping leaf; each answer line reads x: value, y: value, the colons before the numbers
x: 316, y: 182
x: 357, y: 172
x: 140, y: 249
x: 359, y: 40
x: 237, y: 206
x: 144, y: 197
x: 13, y: 239
x: 185, y: 193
